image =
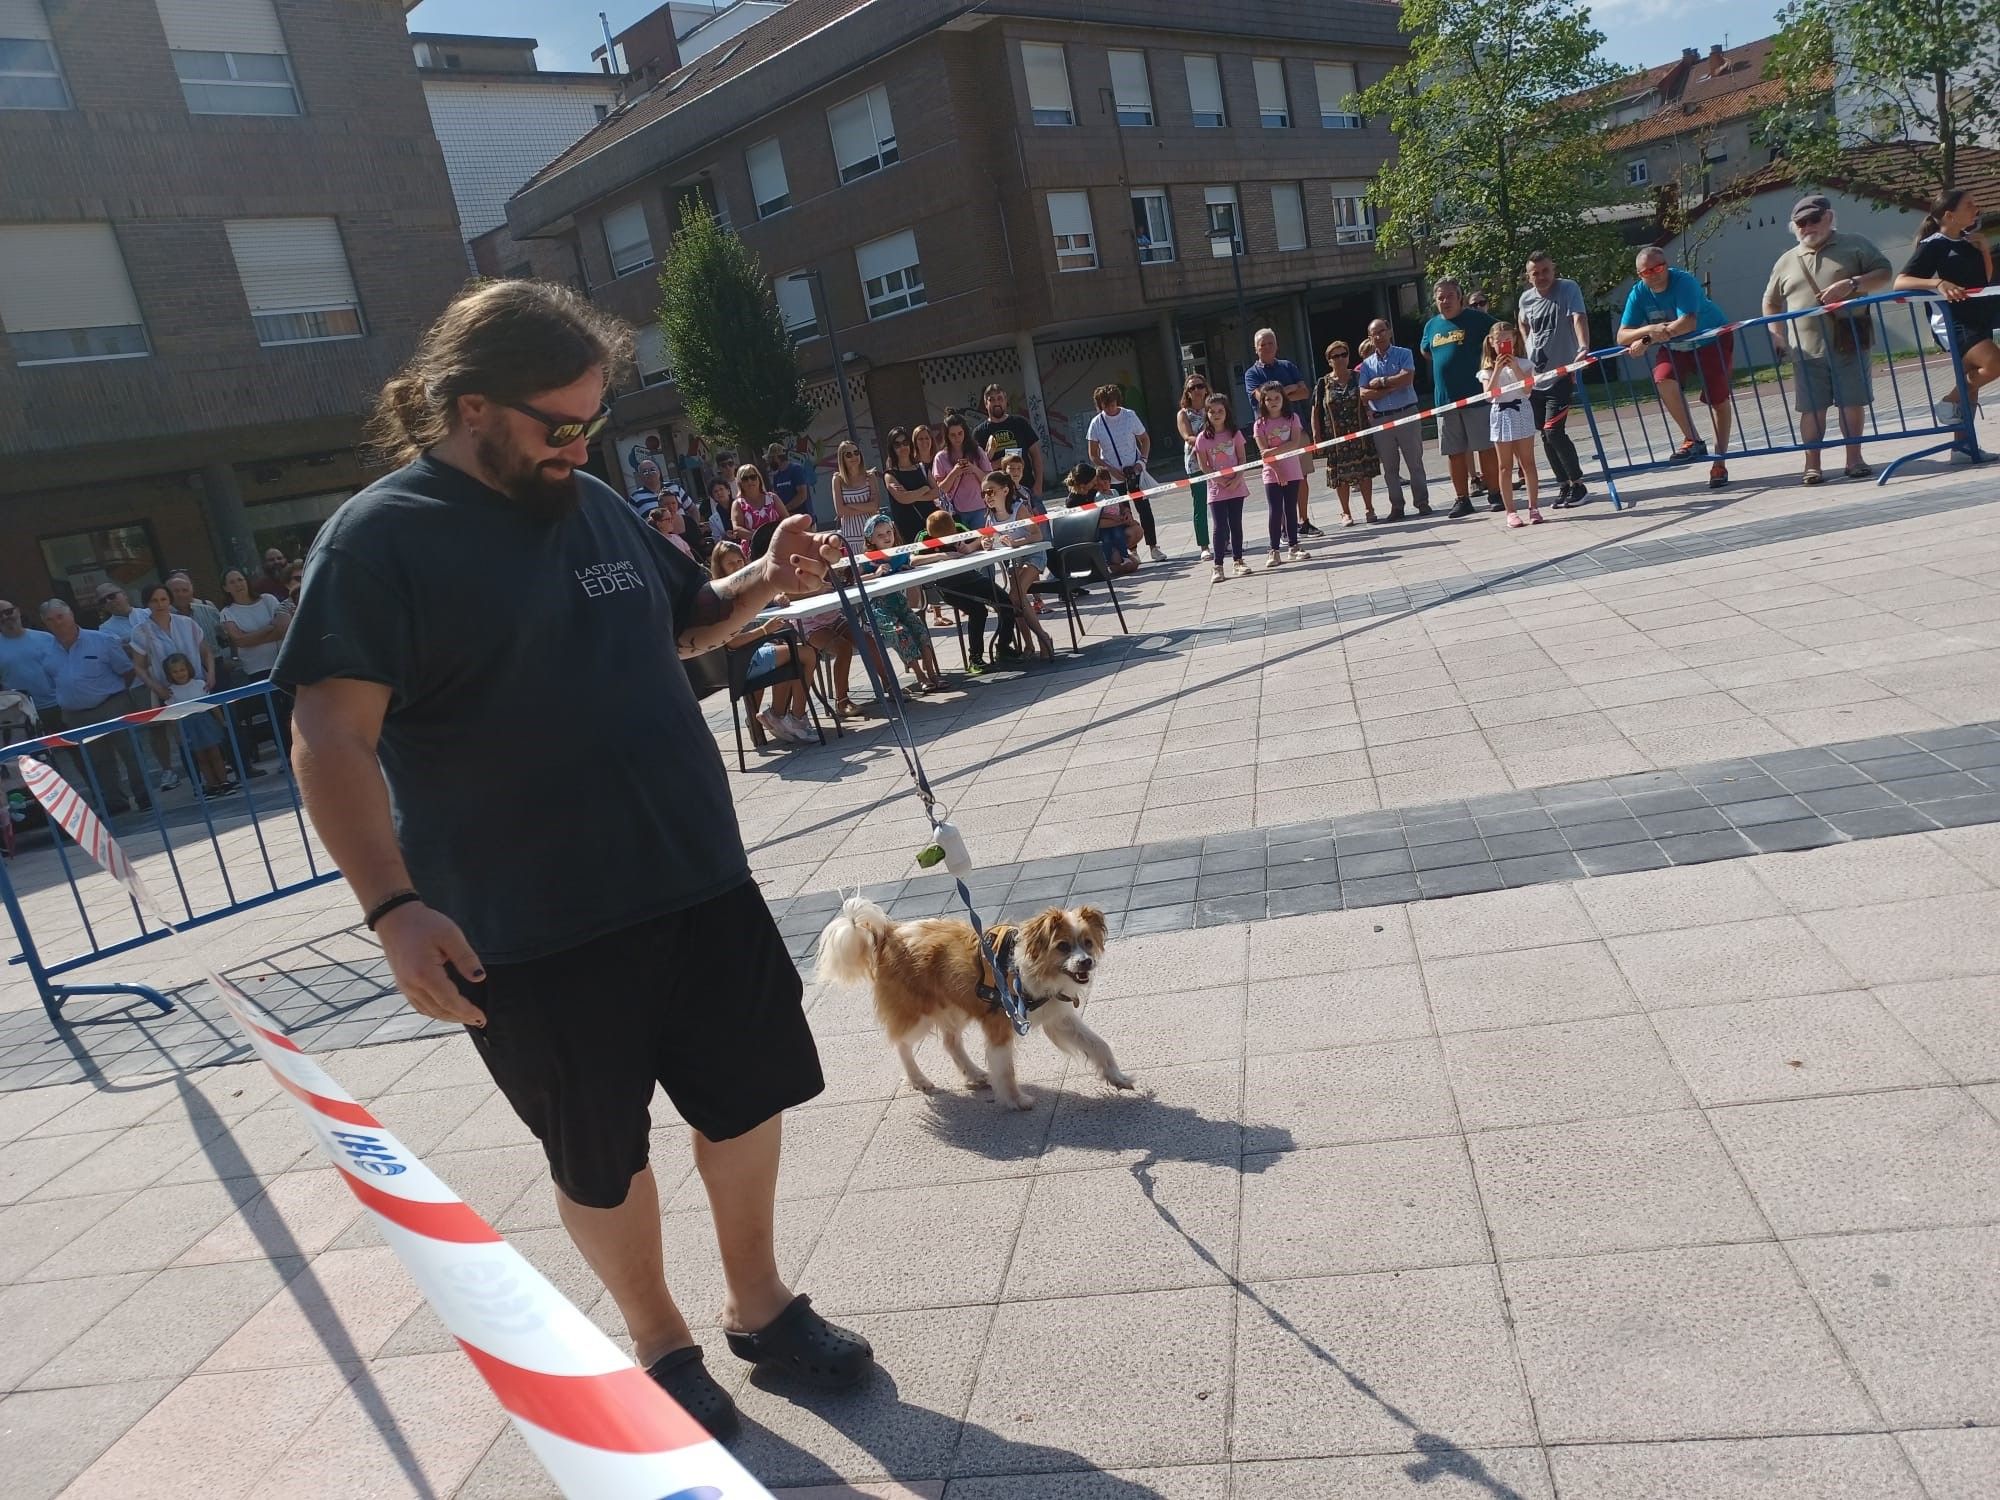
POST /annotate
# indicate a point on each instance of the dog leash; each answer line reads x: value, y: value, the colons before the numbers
x: 947, y: 846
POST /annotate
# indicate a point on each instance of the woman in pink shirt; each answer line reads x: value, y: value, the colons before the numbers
x: 1278, y: 431
x: 1220, y: 446
x: 958, y: 468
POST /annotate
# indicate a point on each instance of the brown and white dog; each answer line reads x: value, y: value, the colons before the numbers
x: 928, y: 975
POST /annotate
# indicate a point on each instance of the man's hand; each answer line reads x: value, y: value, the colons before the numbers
x: 1778, y: 347
x: 797, y: 562
x: 418, y: 943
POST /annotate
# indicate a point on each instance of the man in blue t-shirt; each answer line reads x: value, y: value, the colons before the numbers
x: 1667, y: 303
x: 791, y: 481
x: 1271, y: 370
x: 1451, y: 342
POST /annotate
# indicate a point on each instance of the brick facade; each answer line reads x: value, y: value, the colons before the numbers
x: 88, y: 442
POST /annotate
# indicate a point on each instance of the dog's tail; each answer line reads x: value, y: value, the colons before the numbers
x: 848, y: 946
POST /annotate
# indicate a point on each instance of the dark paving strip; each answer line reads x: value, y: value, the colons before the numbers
x: 1793, y: 799
x: 1596, y: 561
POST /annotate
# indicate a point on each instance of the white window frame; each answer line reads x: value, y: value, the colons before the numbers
x: 120, y: 340
x: 873, y: 102
x: 1074, y: 229
x: 1047, y: 64
x: 1272, y: 113
x: 768, y: 207
x: 314, y: 321
x: 1331, y: 115
x: 900, y: 287
x: 1213, y: 198
x: 46, y: 68
x: 254, y: 88
x: 1205, y: 63
x: 1353, y: 215
x: 1133, y: 95
x: 801, y: 330
x: 622, y: 213
x: 1638, y: 173
x: 1298, y: 199
x: 1150, y: 252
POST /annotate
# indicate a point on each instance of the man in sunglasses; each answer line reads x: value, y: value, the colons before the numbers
x: 1830, y: 359
x: 618, y: 944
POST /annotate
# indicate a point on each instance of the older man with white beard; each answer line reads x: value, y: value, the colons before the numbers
x: 1830, y: 352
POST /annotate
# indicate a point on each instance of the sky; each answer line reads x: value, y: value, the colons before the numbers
x: 1638, y: 33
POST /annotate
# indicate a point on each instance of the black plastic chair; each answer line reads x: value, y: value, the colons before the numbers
x: 726, y: 669
x: 1073, y: 552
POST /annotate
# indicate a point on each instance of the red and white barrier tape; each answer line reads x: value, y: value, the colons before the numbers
x: 1404, y: 419
x: 601, y: 1428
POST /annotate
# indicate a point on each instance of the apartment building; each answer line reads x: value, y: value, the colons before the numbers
x: 223, y: 224
x: 498, y: 117
x: 1012, y: 191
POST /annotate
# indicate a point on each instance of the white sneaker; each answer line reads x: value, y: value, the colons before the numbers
x: 774, y: 725
x: 1216, y: 575
x: 1242, y: 569
x: 1158, y: 555
x: 1275, y: 560
x: 1207, y: 553
x: 169, y: 781
x: 1298, y: 554
x: 1960, y: 456
x: 1945, y: 409
x: 801, y: 729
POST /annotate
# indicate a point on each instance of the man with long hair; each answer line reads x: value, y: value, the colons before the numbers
x: 621, y: 942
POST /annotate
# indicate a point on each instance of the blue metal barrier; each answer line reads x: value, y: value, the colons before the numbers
x: 246, y: 828
x: 1633, y: 430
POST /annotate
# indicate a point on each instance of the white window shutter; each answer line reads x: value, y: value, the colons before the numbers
x: 626, y: 239
x: 1204, y: 85
x: 221, y: 26
x: 23, y: 21
x: 1335, y: 82
x: 795, y: 301
x: 649, y: 350
x: 1270, y: 75
x: 1289, y: 213
x: 853, y: 135
x: 1130, y: 88
x: 767, y: 172
x: 883, y: 256
x: 63, y: 276
x: 1069, y: 213
x: 1048, y: 78
x: 291, y: 265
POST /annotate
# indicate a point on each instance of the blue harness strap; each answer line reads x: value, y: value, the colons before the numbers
x: 1007, y: 984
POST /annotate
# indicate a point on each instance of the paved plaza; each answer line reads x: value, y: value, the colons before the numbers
x: 1562, y: 972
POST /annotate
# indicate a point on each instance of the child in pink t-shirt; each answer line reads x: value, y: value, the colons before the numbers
x: 1278, y: 431
x: 1218, y: 446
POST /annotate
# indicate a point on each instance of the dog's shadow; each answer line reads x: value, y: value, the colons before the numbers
x: 1087, y: 1117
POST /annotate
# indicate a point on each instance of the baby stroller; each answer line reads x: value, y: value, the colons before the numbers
x: 18, y: 721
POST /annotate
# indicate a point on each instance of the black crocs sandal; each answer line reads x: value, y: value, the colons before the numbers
x: 800, y: 1342
x: 684, y: 1376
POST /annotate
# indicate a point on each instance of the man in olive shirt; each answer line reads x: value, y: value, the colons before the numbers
x: 1830, y: 352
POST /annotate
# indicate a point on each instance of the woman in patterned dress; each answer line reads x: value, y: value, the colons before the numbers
x: 1337, y: 408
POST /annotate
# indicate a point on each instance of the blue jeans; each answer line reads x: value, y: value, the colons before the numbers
x: 1111, y: 542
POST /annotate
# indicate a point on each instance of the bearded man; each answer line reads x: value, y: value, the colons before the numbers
x: 619, y: 942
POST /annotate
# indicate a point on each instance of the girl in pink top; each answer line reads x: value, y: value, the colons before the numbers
x: 1218, y: 446
x: 958, y: 468
x: 1277, y: 430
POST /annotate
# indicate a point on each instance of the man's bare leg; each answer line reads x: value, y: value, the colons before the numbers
x: 1812, y: 429
x: 1677, y: 406
x: 741, y: 1175
x: 1719, y: 418
x: 622, y: 1245
x: 1852, y: 419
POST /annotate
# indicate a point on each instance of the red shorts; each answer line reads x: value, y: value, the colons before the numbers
x: 1711, y: 360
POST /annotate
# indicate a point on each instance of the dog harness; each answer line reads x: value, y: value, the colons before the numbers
x: 1003, y: 963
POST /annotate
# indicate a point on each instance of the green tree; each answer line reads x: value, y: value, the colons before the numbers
x: 726, y: 340
x: 1925, y: 73
x: 1499, y: 143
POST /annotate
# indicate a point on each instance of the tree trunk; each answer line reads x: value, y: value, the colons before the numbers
x: 1947, y: 129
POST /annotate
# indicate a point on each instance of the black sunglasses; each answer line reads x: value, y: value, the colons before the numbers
x: 1808, y: 220
x: 565, y: 430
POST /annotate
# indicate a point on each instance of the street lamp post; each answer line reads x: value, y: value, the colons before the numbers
x: 825, y: 316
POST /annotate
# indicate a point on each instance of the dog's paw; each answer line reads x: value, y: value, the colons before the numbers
x: 926, y: 1088
x: 1119, y: 1079
x: 978, y: 1081
x: 1018, y: 1101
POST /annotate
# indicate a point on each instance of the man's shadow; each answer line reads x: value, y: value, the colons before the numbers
x: 913, y: 1443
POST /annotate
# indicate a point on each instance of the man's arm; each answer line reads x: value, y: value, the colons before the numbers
x: 796, y: 564
x: 1096, y: 454
x: 335, y: 724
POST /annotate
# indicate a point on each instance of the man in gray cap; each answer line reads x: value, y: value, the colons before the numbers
x: 1830, y: 352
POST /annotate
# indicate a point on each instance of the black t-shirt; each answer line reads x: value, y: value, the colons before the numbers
x: 1016, y: 434
x: 911, y: 480
x: 1956, y: 260
x: 551, y: 776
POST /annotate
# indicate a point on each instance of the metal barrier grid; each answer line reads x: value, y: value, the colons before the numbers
x: 259, y: 858
x: 1631, y: 425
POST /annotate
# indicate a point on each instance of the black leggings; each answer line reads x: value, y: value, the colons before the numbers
x: 1145, y: 509
x: 974, y: 594
x: 1551, y: 406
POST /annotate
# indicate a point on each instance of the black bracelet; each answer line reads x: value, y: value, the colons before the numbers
x: 389, y: 904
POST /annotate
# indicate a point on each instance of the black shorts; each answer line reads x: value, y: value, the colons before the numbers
x: 705, y: 1002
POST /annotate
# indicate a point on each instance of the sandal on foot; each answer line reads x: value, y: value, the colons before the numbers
x: 800, y: 1342
x: 684, y: 1376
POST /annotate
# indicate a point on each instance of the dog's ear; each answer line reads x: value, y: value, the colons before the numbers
x: 1038, y: 935
x: 1093, y: 924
